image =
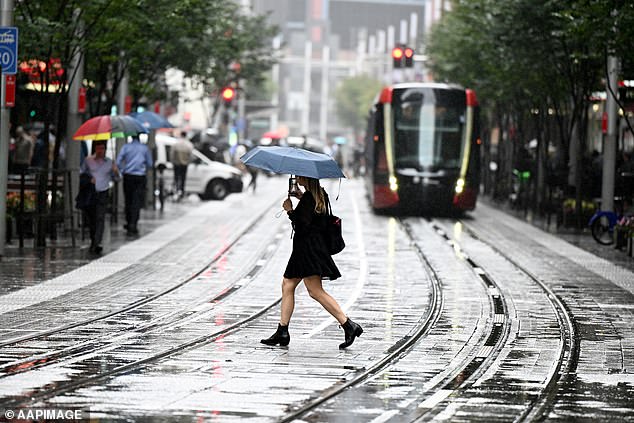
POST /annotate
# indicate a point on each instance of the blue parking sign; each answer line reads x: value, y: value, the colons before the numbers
x: 9, y: 50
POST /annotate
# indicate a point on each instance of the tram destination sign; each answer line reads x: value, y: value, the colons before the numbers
x: 9, y: 50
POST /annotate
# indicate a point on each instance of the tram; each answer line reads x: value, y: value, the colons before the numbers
x: 422, y: 149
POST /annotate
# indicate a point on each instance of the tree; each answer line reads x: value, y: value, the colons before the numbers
x: 209, y: 40
x: 354, y: 98
x: 533, y: 63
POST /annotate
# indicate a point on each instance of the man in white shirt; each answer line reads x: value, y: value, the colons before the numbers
x: 102, y: 171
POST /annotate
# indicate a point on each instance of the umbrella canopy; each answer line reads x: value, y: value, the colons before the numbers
x: 293, y: 161
x: 272, y: 134
x: 151, y: 120
x: 105, y: 127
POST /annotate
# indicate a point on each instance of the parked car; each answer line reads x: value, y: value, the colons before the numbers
x: 205, y: 177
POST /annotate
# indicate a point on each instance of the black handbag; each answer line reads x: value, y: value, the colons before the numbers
x: 332, y: 232
x: 87, y: 195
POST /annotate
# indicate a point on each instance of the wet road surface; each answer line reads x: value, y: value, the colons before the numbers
x: 482, y: 319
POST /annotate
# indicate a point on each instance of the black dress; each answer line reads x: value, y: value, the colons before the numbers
x: 310, y: 256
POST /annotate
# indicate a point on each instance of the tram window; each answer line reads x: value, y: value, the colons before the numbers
x: 428, y: 135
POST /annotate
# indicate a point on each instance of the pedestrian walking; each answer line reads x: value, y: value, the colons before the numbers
x: 133, y: 161
x: 101, y: 171
x: 180, y: 156
x: 310, y: 261
x: 254, y: 176
x: 42, y: 154
x: 23, y: 153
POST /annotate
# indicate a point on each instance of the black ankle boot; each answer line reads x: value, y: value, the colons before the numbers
x: 352, y: 330
x: 280, y: 336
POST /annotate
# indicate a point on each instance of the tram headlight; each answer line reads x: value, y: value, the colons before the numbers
x: 459, y: 186
x: 393, y: 183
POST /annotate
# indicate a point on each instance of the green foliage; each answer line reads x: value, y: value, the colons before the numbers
x: 537, y: 52
x: 205, y: 39
x: 354, y: 98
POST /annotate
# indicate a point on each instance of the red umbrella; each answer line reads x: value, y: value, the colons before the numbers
x: 272, y: 134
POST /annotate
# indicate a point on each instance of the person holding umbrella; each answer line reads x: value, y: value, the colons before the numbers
x: 134, y: 160
x: 101, y: 171
x: 310, y: 260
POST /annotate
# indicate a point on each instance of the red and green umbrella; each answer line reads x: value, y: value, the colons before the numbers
x: 105, y: 127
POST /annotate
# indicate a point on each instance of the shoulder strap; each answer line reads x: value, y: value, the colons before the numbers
x: 328, y: 206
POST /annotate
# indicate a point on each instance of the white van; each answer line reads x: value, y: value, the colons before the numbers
x: 205, y: 177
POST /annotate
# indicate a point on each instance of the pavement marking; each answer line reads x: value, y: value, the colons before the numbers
x: 618, y: 275
x: 97, y: 270
x: 363, y: 272
x: 435, y: 399
x: 384, y: 417
x: 485, y: 351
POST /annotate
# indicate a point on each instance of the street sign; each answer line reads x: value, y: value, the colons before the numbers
x: 9, y: 95
x: 81, y: 101
x: 9, y: 50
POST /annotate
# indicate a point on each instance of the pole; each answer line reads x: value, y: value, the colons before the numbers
x: 323, y: 112
x: 241, y: 122
x: 74, y: 118
x: 275, y: 101
x: 609, y: 147
x: 6, y: 19
x: 120, y: 142
x: 308, y: 53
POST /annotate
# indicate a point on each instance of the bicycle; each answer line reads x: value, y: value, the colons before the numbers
x: 603, y: 222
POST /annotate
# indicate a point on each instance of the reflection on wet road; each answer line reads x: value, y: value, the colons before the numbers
x: 462, y: 320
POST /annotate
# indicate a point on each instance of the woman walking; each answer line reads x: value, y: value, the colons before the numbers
x: 310, y: 262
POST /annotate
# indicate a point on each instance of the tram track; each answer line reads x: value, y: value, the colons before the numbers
x: 569, y: 352
x: 564, y: 365
x: 401, y: 345
x: 497, y: 333
x: 466, y: 373
x: 177, y: 320
x: 136, y: 304
x: 482, y: 354
x: 427, y: 321
x: 462, y: 374
x: 31, y: 361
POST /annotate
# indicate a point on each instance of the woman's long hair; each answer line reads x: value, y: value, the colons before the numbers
x: 318, y: 194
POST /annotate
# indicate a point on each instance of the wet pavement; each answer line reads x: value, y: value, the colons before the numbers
x: 483, y: 319
x: 22, y: 267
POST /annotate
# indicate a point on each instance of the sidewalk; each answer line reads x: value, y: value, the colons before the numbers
x: 579, y: 238
x: 20, y: 268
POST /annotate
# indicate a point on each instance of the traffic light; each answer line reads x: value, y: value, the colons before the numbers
x: 409, y: 57
x: 397, y: 55
x: 228, y: 93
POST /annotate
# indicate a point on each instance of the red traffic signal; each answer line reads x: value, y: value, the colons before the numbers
x: 409, y: 57
x: 228, y: 94
x: 397, y: 55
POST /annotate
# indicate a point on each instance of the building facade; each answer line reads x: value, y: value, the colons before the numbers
x: 325, y: 41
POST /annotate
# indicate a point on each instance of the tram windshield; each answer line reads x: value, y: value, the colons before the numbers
x: 429, y: 128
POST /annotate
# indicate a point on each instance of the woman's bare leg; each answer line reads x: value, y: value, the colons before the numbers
x: 317, y: 292
x: 288, y: 299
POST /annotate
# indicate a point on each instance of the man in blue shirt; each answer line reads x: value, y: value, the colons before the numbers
x: 101, y: 171
x: 133, y: 160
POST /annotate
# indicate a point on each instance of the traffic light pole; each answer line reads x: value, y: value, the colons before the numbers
x: 5, y: 115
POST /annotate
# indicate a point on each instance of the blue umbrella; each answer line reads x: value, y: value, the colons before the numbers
x: 293, y: 161
x: 151, y: 120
